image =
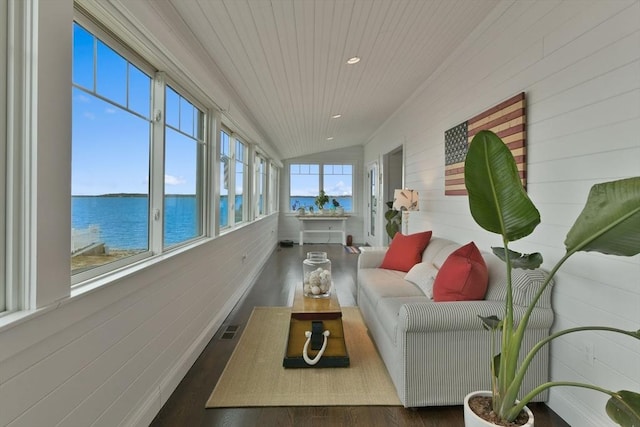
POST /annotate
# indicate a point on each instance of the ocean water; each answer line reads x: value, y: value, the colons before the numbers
x: 123, y: 221
x: 306, y: 202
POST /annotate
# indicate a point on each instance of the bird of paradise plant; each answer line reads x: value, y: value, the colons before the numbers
x: 609, y: 224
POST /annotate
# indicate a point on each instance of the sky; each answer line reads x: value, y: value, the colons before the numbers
x: 305, y: 179
x: 111, y: 146
x: 111, y: 131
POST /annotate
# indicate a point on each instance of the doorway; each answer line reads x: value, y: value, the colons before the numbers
x: 373, y: 194
x: 393, y: 178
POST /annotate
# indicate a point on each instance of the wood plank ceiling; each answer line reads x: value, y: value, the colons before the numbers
x: 286, y: 59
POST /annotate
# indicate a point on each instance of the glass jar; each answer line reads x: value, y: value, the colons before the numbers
x: 316, y: 270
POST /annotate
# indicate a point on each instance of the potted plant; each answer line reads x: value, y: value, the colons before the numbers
x: 321, y: 200
x: 394, y: 220
x: 609, y: 224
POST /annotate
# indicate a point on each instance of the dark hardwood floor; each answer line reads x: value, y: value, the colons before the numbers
x: 275, y: 287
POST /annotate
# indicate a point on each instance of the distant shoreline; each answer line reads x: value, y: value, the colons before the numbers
x: 128, y: 195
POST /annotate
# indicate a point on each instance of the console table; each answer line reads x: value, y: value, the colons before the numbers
x: 327, y: 219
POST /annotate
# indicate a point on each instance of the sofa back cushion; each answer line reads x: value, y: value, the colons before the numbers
x: 524, y: 283
x: 462, y: 277
x: 438, y: 251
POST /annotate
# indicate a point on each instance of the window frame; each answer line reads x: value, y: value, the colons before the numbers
x: 246, y: 176
x: 260, y: 184
x: 274, y: 184
x: 100, y: 34
x: 5, y: 90
x: 202, y: 189
x: 234, y: 141
x: 156, y: 203
x: 321, y: 179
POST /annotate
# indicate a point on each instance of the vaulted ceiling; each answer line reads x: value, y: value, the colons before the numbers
x: 287, y: 59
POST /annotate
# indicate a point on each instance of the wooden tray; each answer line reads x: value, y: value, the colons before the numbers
x: 306, y: 311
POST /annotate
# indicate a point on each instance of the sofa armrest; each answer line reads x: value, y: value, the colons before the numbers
x: 371, y: 258
x: 462, y: 315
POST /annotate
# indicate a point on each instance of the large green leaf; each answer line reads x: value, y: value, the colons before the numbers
x: 624, y: 408
x: 610, y: 220
x: 519, y: 260
x: 497, y: 199
x: 491, y: 322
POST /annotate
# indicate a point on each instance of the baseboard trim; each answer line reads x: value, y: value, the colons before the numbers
x: 574, y: 412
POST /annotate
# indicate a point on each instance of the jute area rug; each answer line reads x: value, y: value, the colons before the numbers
x: 254, y: 375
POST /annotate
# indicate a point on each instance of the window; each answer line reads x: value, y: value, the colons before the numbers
x: 234, y: 167
x: 306, y: 181
x: 111, y: 135
x: 338, y: 185
x: 261, y: 185
x: 225, y: 170
x: 274, y: 179
x: 304, y: 185
x: 241, y: 172
x: 130, y: 169
x: 184, y: 142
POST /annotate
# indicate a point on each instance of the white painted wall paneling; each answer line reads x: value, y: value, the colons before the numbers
x: 579, y: 63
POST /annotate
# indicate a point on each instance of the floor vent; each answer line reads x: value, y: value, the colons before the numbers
x: 229, y: 333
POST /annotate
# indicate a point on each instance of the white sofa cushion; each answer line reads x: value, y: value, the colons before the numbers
x: 383, y: 283
x: 423, y: 275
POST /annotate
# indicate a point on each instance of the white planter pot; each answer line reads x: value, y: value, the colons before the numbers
x: 473, y: 420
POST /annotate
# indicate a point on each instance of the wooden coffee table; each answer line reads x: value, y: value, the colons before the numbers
x: 314, y: 317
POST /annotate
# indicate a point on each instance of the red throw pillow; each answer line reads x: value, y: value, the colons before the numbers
x: 405, y: 251
x: 462, y: 277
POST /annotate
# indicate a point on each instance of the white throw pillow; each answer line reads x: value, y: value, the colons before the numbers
x: 422, y: 275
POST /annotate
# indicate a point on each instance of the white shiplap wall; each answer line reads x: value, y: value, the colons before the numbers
x: 113, y: 355
x: 579, y: 64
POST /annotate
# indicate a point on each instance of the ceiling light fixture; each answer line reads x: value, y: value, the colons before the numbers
x: 329, y: 138
x: 353, y: 60
x: 336, y: 116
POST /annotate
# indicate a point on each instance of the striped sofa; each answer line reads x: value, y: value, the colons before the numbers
x: 437, y: 352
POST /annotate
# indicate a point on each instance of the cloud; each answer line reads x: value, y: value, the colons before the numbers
x: 110, y: 110
x: 83, y: 98
x: 339, y: 189
x: 89, y: 115
x: 174, y: 180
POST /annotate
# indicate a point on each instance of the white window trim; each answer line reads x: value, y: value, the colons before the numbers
x: 156, y: 191
x: 21, y: 125
x: 321, y: 165
x: 5, y: 284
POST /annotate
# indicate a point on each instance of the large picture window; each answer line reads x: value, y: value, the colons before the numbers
x: 306, y: 181
x: 129, y: 169
x: 111, y: 135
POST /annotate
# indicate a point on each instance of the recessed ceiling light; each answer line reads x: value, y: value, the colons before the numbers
x: 336, y: 116
x: 353, y: 60
x: 329, y: 138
